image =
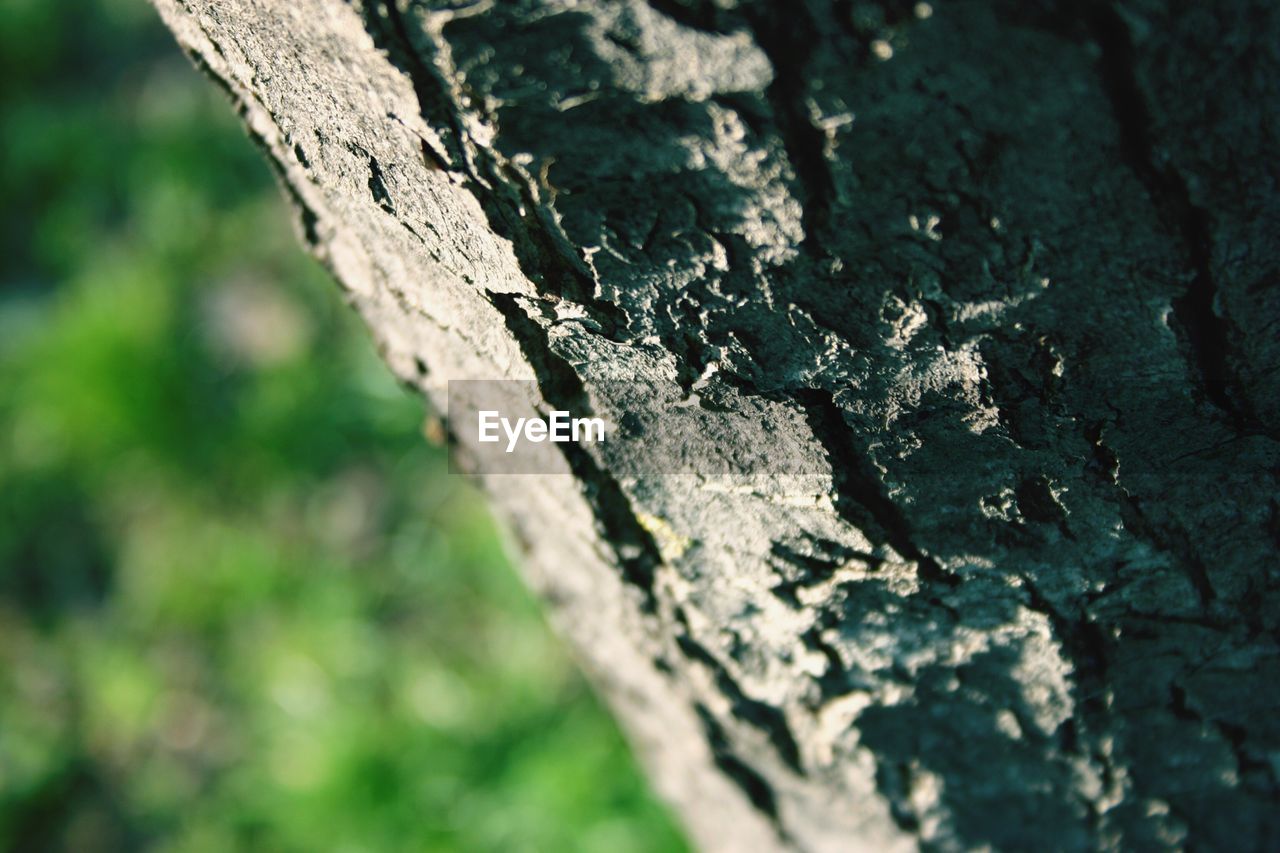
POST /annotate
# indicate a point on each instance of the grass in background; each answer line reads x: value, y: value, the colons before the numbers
x: 242, y: 605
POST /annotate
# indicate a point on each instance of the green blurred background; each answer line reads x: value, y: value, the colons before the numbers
x: 242, y: 604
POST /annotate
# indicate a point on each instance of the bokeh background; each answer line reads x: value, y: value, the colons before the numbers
x: 242, y: 604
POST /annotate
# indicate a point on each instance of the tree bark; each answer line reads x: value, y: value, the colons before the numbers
x: 1005, y: 271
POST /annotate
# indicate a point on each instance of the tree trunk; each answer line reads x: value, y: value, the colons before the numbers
x: 1004, y: 271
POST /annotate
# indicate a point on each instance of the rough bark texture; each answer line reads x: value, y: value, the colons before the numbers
x: 1011, y: 265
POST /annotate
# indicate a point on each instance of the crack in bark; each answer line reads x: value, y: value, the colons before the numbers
x: 1086, y: 647
x: 756, y: 788
x: 636, y: 552
x: 1105, y: 470
x: 514, y: 214
x: 509, y: 203
x: 767, y: 719
x: 1208, y: 334
x: 385, y: 25
x: 788, y: 44
x: 859, y: 496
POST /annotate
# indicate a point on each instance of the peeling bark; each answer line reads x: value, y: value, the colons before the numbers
x: 1012, y: 264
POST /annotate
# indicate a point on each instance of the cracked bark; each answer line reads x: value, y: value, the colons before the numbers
x: 1011, y: 265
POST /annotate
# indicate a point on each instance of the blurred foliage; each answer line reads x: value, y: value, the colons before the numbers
x: 242, y: 605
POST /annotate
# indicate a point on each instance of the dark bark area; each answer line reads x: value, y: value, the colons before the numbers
x: 1013, y: 265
